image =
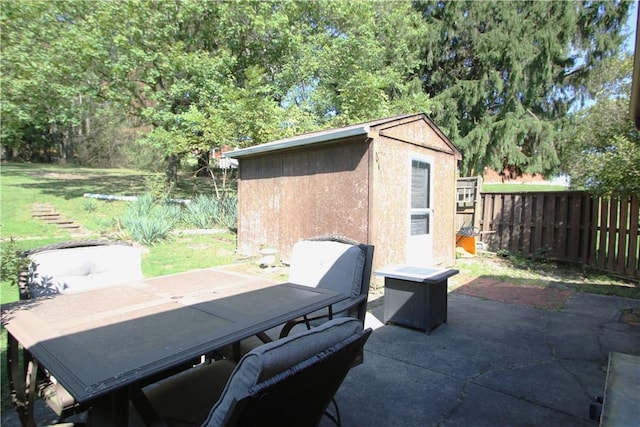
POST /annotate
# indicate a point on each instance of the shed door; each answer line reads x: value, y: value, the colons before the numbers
x: 420, y: 239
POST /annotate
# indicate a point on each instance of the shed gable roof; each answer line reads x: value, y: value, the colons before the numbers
x: 398, y: 129
x: 365, y: 130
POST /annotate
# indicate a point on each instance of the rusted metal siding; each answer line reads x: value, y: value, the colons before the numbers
x: 303, y: 192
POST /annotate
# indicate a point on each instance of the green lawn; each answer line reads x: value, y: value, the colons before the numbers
x: 22, y: 185
x: 520, y: 188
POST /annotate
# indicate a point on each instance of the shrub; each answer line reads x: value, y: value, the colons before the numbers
x: 201, y: 212
x: 173, y: 212
x: 158, y: 187
x: 143, y: 205
x: 147, y: 230
x: 148, y: 221
x: 12, y: 262
x: 209, y: 211
x: 228, y: 215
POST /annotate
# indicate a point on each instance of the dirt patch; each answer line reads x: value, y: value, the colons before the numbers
x: 631, y: 316
x: 532, y: 296
x: 57, y: 175
x: 279, y: 273
x: 64, y: 176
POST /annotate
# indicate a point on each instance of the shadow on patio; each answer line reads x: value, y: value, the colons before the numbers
x: 493, y: 363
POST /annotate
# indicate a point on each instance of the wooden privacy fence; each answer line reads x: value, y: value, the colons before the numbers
x: 468, y: 201
x: 567, y: 226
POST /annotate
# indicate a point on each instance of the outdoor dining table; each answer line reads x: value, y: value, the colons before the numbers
x: 104, y: 345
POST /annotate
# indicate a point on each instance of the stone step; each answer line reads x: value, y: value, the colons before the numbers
x: 46, y: 212
x: 70, y: 227
x: 60, y: 221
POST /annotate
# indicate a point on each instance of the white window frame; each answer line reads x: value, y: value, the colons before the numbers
x: 420, y: 246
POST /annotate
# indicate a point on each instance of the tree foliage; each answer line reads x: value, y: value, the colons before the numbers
x: 497, y: 77
x: 37, y: 98
x: 503, y: 75
x: 204, y: 73
x: 52, y: 95
x: 601, y: 151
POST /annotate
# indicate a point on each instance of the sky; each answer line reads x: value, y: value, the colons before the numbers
x: 629, y: 45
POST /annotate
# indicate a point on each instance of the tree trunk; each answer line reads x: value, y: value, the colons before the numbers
x: 173, y: 161
x: 203, y: 163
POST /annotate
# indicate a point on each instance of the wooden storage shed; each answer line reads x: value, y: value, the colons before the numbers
x: 389, y: 182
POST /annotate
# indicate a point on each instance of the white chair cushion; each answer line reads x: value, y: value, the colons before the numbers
x: 83, y: 268
x: 270, y: 359
x: 328, y: 265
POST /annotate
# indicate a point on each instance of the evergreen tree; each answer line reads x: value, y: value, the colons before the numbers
x: 503, y: 75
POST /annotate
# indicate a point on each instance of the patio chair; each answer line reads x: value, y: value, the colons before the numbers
x: 66, y: 267
x: 79, y: 265
x: 328, y: 262
x: 288, y: 382
x: 334, y: 263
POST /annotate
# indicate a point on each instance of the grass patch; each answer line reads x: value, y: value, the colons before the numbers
x: 521, y: 188
x: 625, y: 290
x: 631, y: 315
x: 8, y: 293
x: 188, y: 252
x: 525, y: 272
x: 64, y: 187
x: 24, y: 184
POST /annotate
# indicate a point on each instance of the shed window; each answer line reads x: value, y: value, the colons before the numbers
x: 420, y: 197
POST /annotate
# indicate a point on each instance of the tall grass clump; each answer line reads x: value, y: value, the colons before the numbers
x: 228, y: 215
x: 89, y: 205
x: 208, y: 211
x: 202, y: 212
x: 149, y: 221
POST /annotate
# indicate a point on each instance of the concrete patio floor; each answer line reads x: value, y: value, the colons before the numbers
x: 493, y: 363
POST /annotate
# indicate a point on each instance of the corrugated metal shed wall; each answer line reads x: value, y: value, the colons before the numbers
x: 303, y: 192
